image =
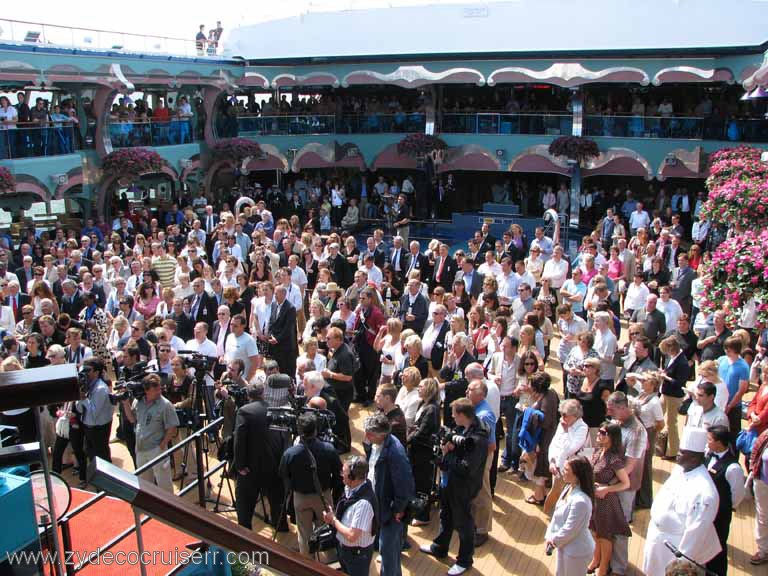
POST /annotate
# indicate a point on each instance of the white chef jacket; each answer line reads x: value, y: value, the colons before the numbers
x: 683, y: 513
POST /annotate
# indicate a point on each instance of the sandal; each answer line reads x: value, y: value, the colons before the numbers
x: 532, y: 500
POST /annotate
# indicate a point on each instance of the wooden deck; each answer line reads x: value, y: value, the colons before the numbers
x: 516, y: 543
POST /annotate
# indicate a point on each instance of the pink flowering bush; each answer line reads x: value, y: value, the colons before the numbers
x: 738, y: 188
x: 130, y: 163
x: 235, y: 149
x: 738, y: 272
x: 415, y: 145
x: 7, y: 181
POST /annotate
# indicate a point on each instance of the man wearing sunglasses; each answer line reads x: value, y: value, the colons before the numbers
x: 95, y: 410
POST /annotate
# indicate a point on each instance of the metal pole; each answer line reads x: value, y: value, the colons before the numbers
x: 200, y: 470
x: 49, y: 492
x: 139, y: 541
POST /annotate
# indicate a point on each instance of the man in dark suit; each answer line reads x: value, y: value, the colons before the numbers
x: 283, y: 346
x: 398, y: 257
x: 337, y: 264
x: 487, y: 240
x: 445, y: 270
x: 452, y: 378
x: 257, y: 452
x: 473, y: 280
x: 25, y: 274
x: 16, y: 299
x: 221, y: 328
x: 433, y: 341
x: 72, y: 299
x: 416, y: 261
x: 209, y: 220
x: 76, y: 263
x: 680, y: 282
x: 202, y: 306
x: 184, y: 324
x: 414, y: 308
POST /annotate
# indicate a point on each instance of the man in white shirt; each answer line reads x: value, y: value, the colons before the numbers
x: 374, y: 272
x: 490, y: 267
x: 523, y: 276
x: 703, y: 412
x: 508, y: 282
x: 200, y: 343
x: 669, y: 307
x: 605, y: 346
x: 243, y: 346
x: 638, y: 219
x: 556, y: 269
x: 637, y: 294
x: 295, y: 296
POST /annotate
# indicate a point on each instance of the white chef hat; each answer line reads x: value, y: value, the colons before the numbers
x: 694, y: 440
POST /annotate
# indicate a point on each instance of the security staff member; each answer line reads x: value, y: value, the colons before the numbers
x: 461, y: 480
x: 355, y: 519
x: 296, y: 472
x: 257, y: 450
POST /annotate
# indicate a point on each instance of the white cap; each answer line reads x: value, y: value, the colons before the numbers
x: 694, y: 440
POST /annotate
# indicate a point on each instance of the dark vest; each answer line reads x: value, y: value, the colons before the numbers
x: 725, y: 511
x: 365, y: 492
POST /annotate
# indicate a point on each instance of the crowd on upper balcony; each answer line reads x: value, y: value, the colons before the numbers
x: 137, y: 124
x: 516, y: 102
x: 39, y: 130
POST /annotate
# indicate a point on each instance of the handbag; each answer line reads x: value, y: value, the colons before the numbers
x: 746, y: 440
x: 686, y: 404
x: 62, y: 427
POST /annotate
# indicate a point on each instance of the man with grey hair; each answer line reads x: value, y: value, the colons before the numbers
x: 72, y: 299
x: 392, y: 478
x: 315, y: 386
x: 452, y: 375
x: 482, y: 504
x: 605, y: 346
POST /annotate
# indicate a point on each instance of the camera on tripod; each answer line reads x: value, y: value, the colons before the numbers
x: 238, y: 392
x: 287, y: 418
x: 445, y: 435
x: 197, y: 361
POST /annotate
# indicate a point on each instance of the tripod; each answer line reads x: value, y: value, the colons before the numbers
x: 201, y: 414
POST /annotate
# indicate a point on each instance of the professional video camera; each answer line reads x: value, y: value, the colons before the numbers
x: 286, y: 418
x: 127, y: 390
x: 237, y: 392
x: 197, y: 361
x: 445, y: 435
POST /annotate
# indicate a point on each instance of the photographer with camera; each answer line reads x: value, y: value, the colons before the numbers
x: 95, y: 410
x: 230, y: 392
x: 156, y: 423
x: 182, y: 393
x: 301, y: 471
x: 130, y: 368
x: 315, y: 387
x: 465, y: 451
x: 257, y: 453
x: 356, y: 518
x: 392, y: 478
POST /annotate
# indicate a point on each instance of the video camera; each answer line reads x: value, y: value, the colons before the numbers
x: 237, y: 392
x: 197, y: 361
x: 127, y: 390
x: 286, y: 418
x: 445, y: 435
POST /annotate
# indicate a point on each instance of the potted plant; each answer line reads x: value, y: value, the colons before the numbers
x: 130, y: 163
x: 7, y: 181
x: 575, y: 148
x: 419, y: 145
x: 235, y: 149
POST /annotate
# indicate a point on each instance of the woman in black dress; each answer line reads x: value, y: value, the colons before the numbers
x: 309, y: 265
x: 420, y: 443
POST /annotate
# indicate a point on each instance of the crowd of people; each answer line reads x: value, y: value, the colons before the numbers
x: 454, y: 354
x: 39, y: 130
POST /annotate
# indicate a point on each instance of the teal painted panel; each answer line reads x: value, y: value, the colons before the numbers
x: 42, y: 168
x: 173, y: 154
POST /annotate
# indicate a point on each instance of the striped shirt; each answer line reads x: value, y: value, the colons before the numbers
x: 165, y: 266
x: 360, y: 516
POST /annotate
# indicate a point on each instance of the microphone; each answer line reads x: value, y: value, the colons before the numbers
x: 672, y: 548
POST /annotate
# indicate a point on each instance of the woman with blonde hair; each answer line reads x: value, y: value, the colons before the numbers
x: 709, y: 372
x: 316, y: 311
x: 408, y: 396
x: 419, y: 441
x: 387, y: 344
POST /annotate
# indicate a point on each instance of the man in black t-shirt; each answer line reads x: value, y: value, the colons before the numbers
x: 340, y: 368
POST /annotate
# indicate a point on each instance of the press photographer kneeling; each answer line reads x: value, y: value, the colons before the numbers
x: 155, y: 420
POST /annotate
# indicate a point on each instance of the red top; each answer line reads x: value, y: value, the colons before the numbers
x: 759, y: 406
x: 161, y: 115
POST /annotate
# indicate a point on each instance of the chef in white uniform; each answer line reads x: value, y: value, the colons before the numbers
x: 684, y: 510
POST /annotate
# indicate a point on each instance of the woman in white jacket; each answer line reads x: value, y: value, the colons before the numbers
x: 571, y: 437
x: 568, y: 532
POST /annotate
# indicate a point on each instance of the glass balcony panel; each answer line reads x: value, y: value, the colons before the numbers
x: 31, y: 141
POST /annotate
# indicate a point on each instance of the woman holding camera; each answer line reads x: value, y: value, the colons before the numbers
x: 420, y: 442
x: 568, y: 532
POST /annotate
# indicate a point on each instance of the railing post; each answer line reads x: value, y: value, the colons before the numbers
x: 139, y: 541
x: 200, y: 470
x: 66, y: 545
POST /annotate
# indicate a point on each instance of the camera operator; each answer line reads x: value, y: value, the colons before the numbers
x: 226, y: 405
x: 461, y: 481
x: 95, y: 410
x: 131, y: 368
x: 182, y: 393
x: 156, y: 423
x: 296, y: 471
x: 392, y: 478
x: 356, y: 518
x: 257, y: 453
x: 315, y: 386
x: 277, y: 386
